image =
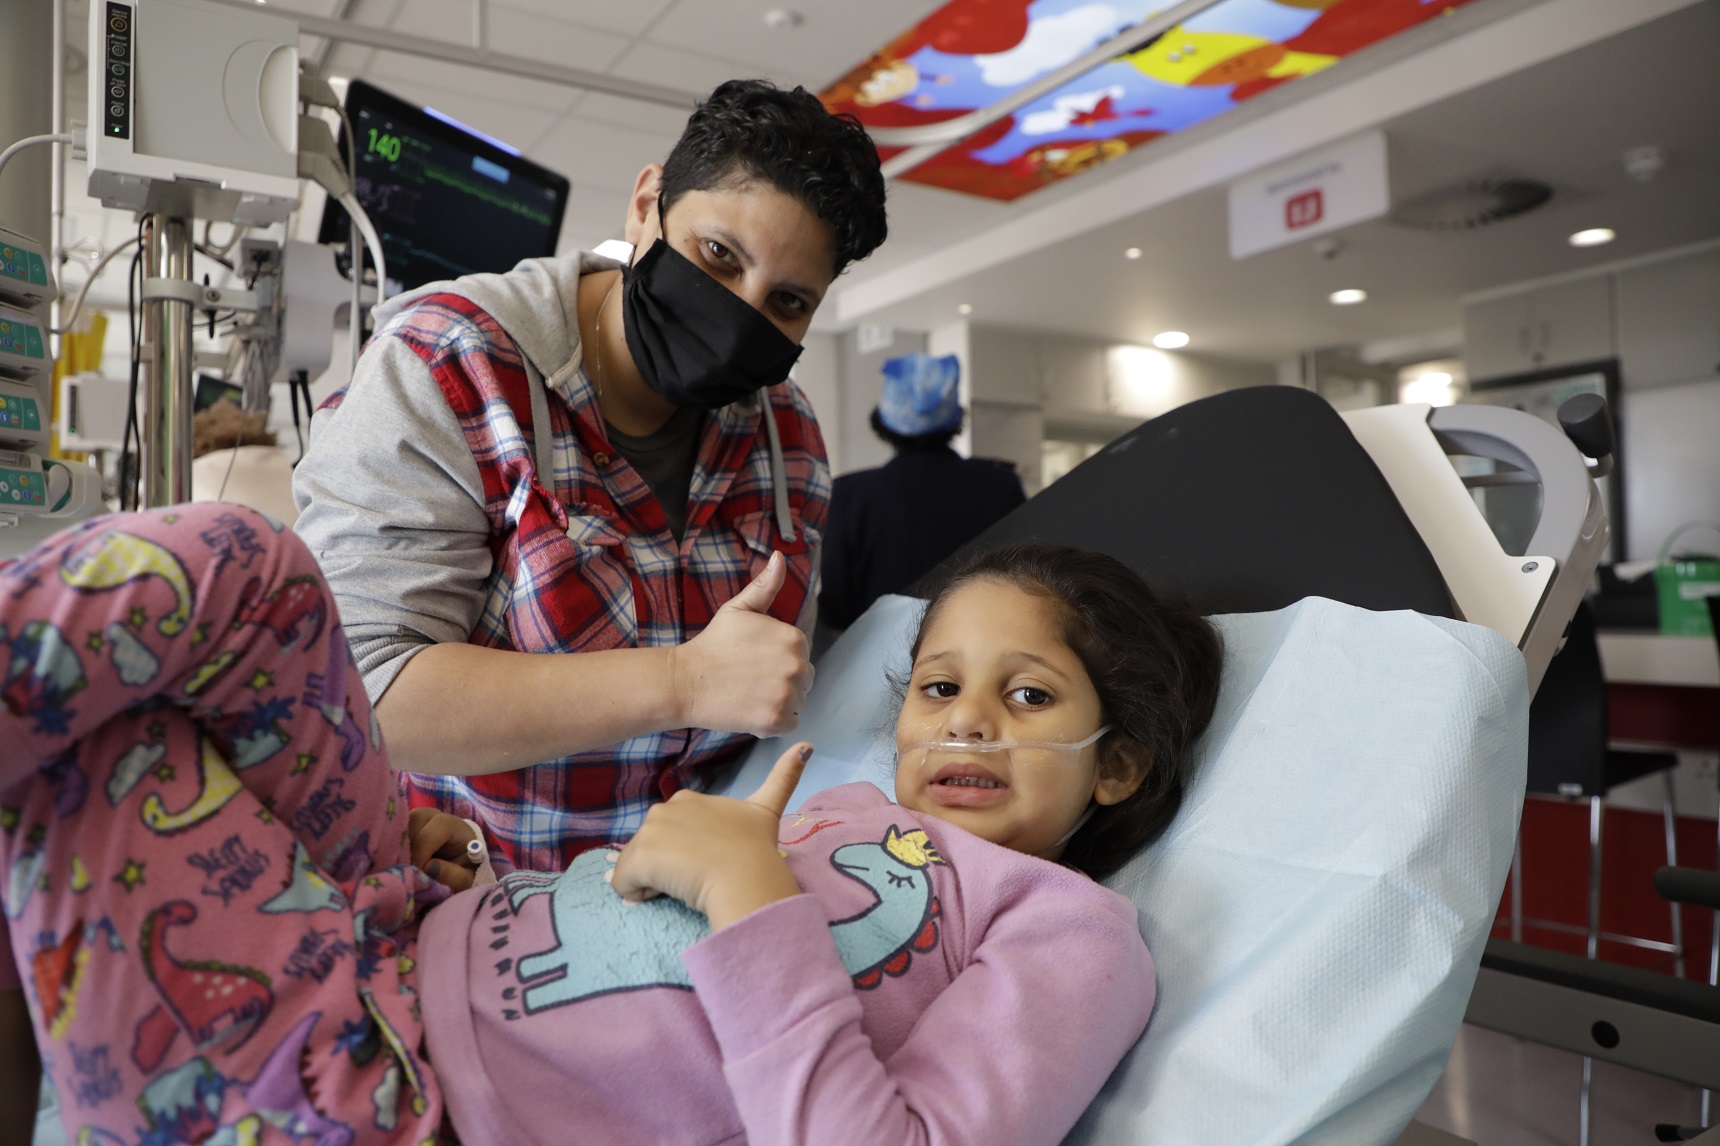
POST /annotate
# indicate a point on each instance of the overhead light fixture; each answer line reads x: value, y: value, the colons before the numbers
x: 1349, y: 296
x: 964, y: 308
x: 1170, y: 340
x: 1142, y: 383
x: 783, y: 19
x: 1132, y: 253
x: 1593, y: 237
x: 1433, y: 388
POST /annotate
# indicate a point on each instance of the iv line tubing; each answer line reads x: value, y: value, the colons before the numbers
x: 371, y: 240
x: 95, y: 272
x: 32, y: 140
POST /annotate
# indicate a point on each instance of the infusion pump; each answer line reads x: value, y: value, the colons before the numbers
x: 193, y: 110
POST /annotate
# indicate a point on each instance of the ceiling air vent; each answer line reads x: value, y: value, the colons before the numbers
x: 1475, y: 203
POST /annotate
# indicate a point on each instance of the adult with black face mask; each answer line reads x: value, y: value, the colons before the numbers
x: 606, y: 462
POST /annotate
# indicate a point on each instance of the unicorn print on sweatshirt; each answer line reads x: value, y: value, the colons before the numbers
x: 604, y: 945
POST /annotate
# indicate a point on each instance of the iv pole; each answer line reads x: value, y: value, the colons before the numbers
x: 166, y: 354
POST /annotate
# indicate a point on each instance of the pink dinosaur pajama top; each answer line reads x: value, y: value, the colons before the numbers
x: 203, y: 870
x: 929, y: 987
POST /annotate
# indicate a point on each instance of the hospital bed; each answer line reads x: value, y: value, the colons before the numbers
x: 1320, y: 909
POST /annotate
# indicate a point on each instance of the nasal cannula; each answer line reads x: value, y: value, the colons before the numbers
x: 953, y: 744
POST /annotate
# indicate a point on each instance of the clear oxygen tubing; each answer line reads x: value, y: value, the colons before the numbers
x: 1076, y: 826
x: 927, y: 747
x: 953, y: 744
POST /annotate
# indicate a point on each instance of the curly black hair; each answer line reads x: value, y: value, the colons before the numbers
x: 752, y: 129
x: 1154, y: 662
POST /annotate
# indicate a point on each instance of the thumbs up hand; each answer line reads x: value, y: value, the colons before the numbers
x: 747, y: 671
x: 761, y: 590
x: 716, y: 854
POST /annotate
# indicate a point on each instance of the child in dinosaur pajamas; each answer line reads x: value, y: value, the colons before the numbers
x: 211, y: 899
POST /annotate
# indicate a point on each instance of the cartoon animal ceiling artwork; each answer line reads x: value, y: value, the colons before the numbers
x: 969, y: 54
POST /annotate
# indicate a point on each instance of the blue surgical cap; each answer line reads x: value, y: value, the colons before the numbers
x: 921, y: 395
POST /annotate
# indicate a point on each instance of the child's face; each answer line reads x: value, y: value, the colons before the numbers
x: 993, y: 666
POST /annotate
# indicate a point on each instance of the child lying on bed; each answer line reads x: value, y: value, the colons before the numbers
x: 208, y: 879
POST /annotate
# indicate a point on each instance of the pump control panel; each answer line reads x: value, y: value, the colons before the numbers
x: 21, y: 422
x: 23, y: 484
x: 23, y: 271
x: 116, y: 116
x: 23, y: 345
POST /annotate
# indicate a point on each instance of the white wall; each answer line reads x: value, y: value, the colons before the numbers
x: 1671, y: 451
x: 1144, y: 382
x: 1022, y: 389
x: 819, y: 374
x: 1665, y: 334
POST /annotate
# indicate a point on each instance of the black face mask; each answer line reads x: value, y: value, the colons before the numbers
x: 695, y: 342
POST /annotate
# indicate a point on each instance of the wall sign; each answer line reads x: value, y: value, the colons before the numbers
x: 1310, y: 195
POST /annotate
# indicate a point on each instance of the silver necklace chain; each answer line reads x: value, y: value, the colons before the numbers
x: 597, y: 335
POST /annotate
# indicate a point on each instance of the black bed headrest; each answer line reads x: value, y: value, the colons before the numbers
x: 1242, y: 502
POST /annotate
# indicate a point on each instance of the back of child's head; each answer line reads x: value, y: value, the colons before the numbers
x: 1155, y: 664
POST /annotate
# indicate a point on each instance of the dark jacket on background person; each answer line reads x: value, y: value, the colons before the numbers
x: 890, y: 526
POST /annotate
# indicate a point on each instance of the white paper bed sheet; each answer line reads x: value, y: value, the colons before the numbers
x: 1318, y: 908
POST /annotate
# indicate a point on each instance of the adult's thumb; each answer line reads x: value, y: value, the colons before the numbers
x: 762, y: 590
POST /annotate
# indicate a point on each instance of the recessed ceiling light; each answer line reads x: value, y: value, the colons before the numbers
x: 783, y: 18
x: 1170, y: 340
x: 1593, y: 237
x: 1132, y: 253
x: 964, y: 308
x: 1349, y: 296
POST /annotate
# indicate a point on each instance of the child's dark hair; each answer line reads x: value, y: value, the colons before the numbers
x: 751, y: 129
x: 1154, y: 663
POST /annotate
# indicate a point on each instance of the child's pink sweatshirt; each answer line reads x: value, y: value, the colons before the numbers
x: 927, y: 987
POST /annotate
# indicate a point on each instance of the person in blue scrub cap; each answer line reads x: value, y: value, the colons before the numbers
x: 890, y: 526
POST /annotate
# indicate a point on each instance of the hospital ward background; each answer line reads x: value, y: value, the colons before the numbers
x: 1386, y: 330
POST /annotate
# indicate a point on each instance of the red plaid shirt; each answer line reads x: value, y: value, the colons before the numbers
x: 593, y: 566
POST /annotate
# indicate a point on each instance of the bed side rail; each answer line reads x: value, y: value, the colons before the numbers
x: 1640, y: 1019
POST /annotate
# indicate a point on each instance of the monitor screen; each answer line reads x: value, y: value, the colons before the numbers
x: 445, y: 200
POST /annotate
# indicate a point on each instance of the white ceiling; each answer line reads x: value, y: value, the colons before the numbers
x: 1565, y: 121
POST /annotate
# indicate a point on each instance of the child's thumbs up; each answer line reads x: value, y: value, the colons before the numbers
x: 778, y: 787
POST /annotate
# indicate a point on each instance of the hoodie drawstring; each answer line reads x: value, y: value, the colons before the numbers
x: 778, y: 468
